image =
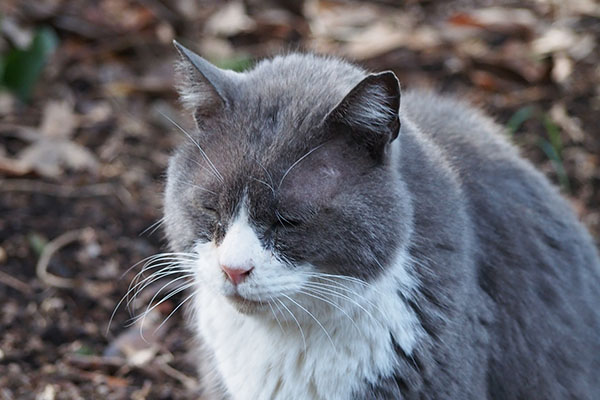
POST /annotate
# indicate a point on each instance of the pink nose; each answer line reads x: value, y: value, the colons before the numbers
x: 236, y: 275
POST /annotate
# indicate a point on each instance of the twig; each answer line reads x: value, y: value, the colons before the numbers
x: 185, y: 380
x: 52, y: 247
x: 14, y: 283
x: 50, y: 189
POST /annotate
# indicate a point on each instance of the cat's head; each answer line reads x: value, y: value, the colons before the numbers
x: 289, y: 176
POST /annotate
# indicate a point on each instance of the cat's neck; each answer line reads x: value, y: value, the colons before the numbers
x: 352, y: 334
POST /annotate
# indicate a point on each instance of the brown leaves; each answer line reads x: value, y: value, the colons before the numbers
x: 52, y: 152
x: 90, y: 149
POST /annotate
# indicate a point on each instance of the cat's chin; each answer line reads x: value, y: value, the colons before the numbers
x: 246, y: 306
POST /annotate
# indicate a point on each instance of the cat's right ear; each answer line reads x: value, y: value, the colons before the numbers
x: 203, y: 88
x: 371, y: 111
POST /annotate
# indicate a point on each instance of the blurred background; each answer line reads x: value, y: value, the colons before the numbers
x: 85, y: 86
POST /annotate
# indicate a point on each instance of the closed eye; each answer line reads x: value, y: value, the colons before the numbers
x: 287, y: 222
x: 210, y: 211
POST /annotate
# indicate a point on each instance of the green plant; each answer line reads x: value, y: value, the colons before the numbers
x: 20, y: 69
x: 551, y: 145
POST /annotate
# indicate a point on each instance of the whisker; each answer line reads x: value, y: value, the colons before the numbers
x: 340, y: 286
x: 175, y: 309
x: 334, y: 279
x: 151, y: 279
x: 272, y: 185
x: 149, y: 309
x: 295, y: 320
x: 155, y: 256
x: 313, y: 317
x: 145, y: 314
x: 265, y: 183
x: 326, y: 291
x: 199, y: 164
x: 166, y: 285
x: 274, y: 315
x: 315, y: 294
x: 298, y: 161
x: 133, y: 287
x: 334, y: 276
x: 215, y: 171
x: 172, y: 264
x: 196, y: 187
x: 152, y: 228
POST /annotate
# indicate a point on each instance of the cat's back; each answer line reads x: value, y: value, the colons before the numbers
x: 533, y: 260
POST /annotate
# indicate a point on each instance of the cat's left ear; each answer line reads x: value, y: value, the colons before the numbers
x: 204, y: 88
x: 371, y: 111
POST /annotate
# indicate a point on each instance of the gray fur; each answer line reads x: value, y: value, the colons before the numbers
x: 509, y: 280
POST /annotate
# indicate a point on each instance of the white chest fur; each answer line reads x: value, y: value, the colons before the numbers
x: 259, y: 359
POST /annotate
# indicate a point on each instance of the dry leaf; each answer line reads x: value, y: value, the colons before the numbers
x: 570, y: 125
x: 50, y: 158
x: 375, y: 40
x: 562, y: 69
x: 229, y: 20
x: 138, y: 349
x: 565, y: 40
x: 58, y: 120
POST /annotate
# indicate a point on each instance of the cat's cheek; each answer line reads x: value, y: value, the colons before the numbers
x: 207, y: 273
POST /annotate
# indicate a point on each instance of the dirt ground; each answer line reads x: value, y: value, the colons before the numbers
x: 82, y: 161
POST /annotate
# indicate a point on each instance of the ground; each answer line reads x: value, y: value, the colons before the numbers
x: 83, y: 151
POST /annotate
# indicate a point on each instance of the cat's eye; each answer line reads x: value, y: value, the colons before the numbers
x: 213, y: 212
x: 287, y: 222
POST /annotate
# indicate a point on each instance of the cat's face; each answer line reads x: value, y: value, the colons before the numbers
x: 279, y: 186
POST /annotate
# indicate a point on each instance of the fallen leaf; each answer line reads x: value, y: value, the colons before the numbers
x: 138, y: 349
x: 515, y: 22
x: 20, y: 36
x: 562, y: 68
x: 58, y: 120
x: 229, y: 20
x: 565, y: 40
x: 49, y: 157
x: 570, y: 125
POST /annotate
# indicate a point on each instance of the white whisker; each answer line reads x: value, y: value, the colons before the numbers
x: 313, y: 317
x: 176, y: 308
x: 196, y: 187
x: 298, y: 161
x: 214, y: 169
x: 150, y: 259
x: 274, y: 315
x: 315, y: 294
x: 332, y: 292
x: 296, y: 320
x: 152, y: 228
x: 272, y: 185
x: 149, y: 309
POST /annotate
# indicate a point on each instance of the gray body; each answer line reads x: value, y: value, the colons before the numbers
x: 511, y: 291
x: 509, y: 280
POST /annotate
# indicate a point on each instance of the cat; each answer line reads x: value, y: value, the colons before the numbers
x: 345, y: 246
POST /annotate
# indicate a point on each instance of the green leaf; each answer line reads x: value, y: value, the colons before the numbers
x: 22, y: 68
x: 37, y: 243
x: 237, y: 63
x: 518, y: 118
x: 84, y: 350
x: 557, y: 164
x: 553, y: 132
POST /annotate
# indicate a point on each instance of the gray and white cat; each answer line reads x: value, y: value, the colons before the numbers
x: 346, y: 247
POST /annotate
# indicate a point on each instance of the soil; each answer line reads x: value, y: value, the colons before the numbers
x: 72, y: 223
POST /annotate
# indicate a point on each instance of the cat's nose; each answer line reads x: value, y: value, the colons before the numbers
x: 236, y: 275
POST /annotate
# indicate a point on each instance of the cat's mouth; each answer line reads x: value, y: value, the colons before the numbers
x: 244, y: 305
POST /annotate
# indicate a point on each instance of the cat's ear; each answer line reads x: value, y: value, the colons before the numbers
x: 371, y: 111
x: 203, y: 88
